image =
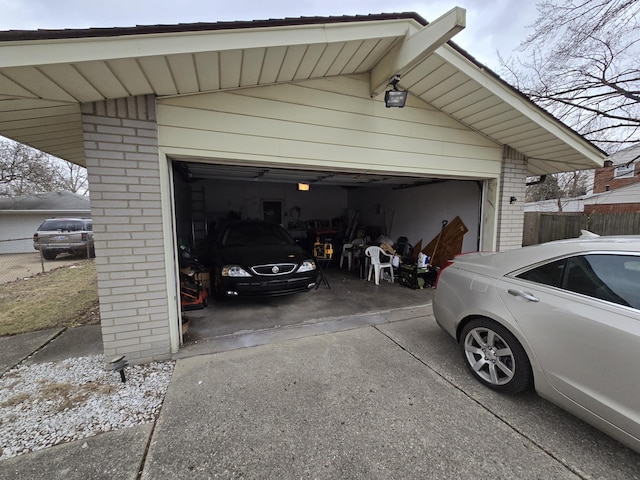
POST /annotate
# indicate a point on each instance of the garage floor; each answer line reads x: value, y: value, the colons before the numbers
x: 349, y: 295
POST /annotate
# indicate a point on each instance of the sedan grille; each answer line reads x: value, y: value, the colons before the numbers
x: 273, y: 269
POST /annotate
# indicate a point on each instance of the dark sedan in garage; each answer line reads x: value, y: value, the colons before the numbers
x: 256, y: 258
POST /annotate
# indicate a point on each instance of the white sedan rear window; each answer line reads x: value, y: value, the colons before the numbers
x: 614, y: 278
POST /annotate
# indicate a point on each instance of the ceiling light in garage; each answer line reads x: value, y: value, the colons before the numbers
x: 303, y: 187
x: 395, y: 97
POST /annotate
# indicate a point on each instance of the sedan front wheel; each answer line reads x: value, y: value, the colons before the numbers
x: 495, y: 357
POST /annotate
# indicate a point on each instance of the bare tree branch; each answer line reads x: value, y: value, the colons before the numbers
x: 580, y: 63
x: 26, y: 171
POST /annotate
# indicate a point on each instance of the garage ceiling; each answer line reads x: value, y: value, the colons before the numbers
x: 197, y: 171
x: 46, y: 75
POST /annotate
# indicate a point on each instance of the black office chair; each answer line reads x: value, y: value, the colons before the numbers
x: 403, y: 248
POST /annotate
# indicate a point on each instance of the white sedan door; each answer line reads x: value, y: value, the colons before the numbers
x: 587, y: 343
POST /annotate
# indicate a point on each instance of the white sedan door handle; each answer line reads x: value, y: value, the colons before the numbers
x: 525, y: 295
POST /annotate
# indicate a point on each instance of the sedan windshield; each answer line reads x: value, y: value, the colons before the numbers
x: 246, y: 234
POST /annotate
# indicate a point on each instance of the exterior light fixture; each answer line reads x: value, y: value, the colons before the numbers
x: 395, y: 97
x: 118, y: 364
x: 303, y: 187
x: 513, y: 200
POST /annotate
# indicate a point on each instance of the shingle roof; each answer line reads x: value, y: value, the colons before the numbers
x: 625, y: 156
x: 19, y: 35
x: 52, y: 201
x: 473, y: 94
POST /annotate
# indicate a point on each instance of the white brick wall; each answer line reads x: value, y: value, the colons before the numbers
x: 513, y: 182
x: 121, y: 146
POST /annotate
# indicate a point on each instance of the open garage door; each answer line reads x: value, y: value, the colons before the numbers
x: 395, y: 206
x: 336, y: 207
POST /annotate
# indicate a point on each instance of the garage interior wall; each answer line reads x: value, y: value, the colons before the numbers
x: 415, y: 212
x: 183, y: 208
x: 245, y: 198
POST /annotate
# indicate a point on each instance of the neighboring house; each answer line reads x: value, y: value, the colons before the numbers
x: 620, y: 170
x: 21, y: 216
x: 620, y: 200
x: 176, y: 123
x: 567, y: 204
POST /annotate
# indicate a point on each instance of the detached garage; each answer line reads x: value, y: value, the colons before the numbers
x: 181, y: 124
x: 20, y: 216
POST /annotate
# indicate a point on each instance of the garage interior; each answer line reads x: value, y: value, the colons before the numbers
x: 337, y: 207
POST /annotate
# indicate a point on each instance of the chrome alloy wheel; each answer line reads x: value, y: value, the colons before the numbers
x: 489, y: 356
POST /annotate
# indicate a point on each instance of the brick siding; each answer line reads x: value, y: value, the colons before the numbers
x: 604, y: 179
x: 513, y: 181
x: 612, y: 208
x: 121, y: 147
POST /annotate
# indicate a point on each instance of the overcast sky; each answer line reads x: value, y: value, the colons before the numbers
x: 492, y: 25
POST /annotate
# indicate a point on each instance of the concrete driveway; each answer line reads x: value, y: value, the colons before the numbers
x: 339, y: 399
x: 391, y: 400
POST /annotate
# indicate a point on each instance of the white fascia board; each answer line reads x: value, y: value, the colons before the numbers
x: 416, y: 47
x: 45, y: 52
x: 522, y: 105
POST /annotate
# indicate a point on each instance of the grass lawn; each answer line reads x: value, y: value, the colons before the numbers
x: 65, y: 297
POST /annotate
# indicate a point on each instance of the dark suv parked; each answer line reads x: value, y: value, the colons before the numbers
x: 64, y: 235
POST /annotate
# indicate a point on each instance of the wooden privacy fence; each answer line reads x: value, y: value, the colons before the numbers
x: 540, y: 227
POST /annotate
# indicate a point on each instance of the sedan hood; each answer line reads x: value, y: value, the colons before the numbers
x: 248, y: 256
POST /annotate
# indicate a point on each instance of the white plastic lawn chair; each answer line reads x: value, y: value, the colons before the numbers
x: 376, y: 266
x: 347, y: 252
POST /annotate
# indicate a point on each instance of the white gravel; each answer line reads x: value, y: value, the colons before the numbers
x: 42, y: 405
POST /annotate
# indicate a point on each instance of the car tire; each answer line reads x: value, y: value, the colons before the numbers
x: 218, y: 292
x: 47, y: 255
x: 495, y: 357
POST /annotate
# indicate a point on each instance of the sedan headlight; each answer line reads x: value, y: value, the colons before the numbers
x: 307, y: 266
x: 234, y: 271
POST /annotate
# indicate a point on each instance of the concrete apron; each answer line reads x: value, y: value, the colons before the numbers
x: 351, y: 301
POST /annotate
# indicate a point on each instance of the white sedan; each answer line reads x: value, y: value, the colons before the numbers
x: 562, y: 317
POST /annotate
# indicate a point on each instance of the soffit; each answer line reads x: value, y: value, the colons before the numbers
x: 452, y: 81
x: 43, y: 81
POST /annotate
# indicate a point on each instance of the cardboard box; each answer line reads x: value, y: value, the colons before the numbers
x: 204, y: 278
